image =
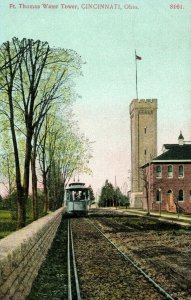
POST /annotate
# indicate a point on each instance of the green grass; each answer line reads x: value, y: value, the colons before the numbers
x: 8, y: 222
x: 7, y: 225
x: 5, y: 214
x: 157, y: 213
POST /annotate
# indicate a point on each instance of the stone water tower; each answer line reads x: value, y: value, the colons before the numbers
x: 143, y: 115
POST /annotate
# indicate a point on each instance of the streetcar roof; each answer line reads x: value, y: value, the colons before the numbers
x: 76, y: 183
x: 77, y: 186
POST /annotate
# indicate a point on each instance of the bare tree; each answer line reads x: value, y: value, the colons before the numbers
x: 145, y: 177
x: 32, y: 77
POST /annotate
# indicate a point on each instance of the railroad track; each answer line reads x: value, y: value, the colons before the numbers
x: 113, y: 275
x: 73, y: 282
x: 58, y: 278
x: 105, y: 272
x: 163, y: 253
x: 134, y: 264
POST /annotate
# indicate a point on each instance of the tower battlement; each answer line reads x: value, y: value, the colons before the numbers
x: 143, y: 104
x: 145, y: 100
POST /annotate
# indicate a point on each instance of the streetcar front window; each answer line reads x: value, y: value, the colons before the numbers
x: 79, y: 195
x: 76, y: 195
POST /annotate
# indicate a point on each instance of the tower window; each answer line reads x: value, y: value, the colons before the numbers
x: 181, y: 171
x: 170, y: 171
x: 145, y: 129
x: 145, y: 151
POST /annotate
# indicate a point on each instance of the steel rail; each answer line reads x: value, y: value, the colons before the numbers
x: 69, y: 265
x: 156, y: 285
x: 75, y: 268
x: 71, y: 251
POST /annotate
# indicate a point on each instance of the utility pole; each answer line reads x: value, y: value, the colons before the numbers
x: 115, y: 194
x: 136, y: 58
x: 149, y: 186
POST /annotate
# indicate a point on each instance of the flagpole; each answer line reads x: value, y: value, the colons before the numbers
x: 136, y: 74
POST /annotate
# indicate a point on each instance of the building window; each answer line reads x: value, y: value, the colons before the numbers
x: 181, y: 171
x: 158, y: 171
x: 170, y: 171
x: 145, y: 151
x: 158, y: 195
x: 190, y: 195
x: 145, y: 129
x: 180, y: 195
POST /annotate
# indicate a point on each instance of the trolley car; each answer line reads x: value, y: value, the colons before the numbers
x: 77, y: 199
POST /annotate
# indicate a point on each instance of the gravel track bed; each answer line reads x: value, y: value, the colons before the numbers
x: 103, y: 272
x: 164, y: 252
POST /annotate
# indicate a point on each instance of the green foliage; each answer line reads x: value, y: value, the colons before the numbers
x: 107, y: 195
x: 111, y: 196
x: 7, y: 225
x: 29, y: 208
x: 121, y: 199
x: 10, y: 203
x: 8, y: 212
x: 7, y: 164
x: 36, y: 84
x: 62, y: 153
x: 92, y: 197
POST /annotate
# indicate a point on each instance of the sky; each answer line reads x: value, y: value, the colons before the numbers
x: 106, y: 40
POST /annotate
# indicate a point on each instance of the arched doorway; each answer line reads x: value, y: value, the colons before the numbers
x: 169, y: 200
x: 171, y: 207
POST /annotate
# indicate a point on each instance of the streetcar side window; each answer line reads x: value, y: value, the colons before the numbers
x: 68, y: 196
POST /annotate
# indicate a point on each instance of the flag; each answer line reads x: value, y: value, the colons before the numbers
x: 138, y: 57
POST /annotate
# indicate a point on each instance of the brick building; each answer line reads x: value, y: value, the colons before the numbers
x: 167, y: 179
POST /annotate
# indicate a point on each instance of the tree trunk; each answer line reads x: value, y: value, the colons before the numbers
x: 34, y: 187
x: 21, y: 198
x: 148, y: 204
x: 45, y: 207
x: 21, y: 208
x: 28, y: 150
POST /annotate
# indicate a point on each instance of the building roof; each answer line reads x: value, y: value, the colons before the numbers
x: 169, y: 146
x: 175, y: 152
